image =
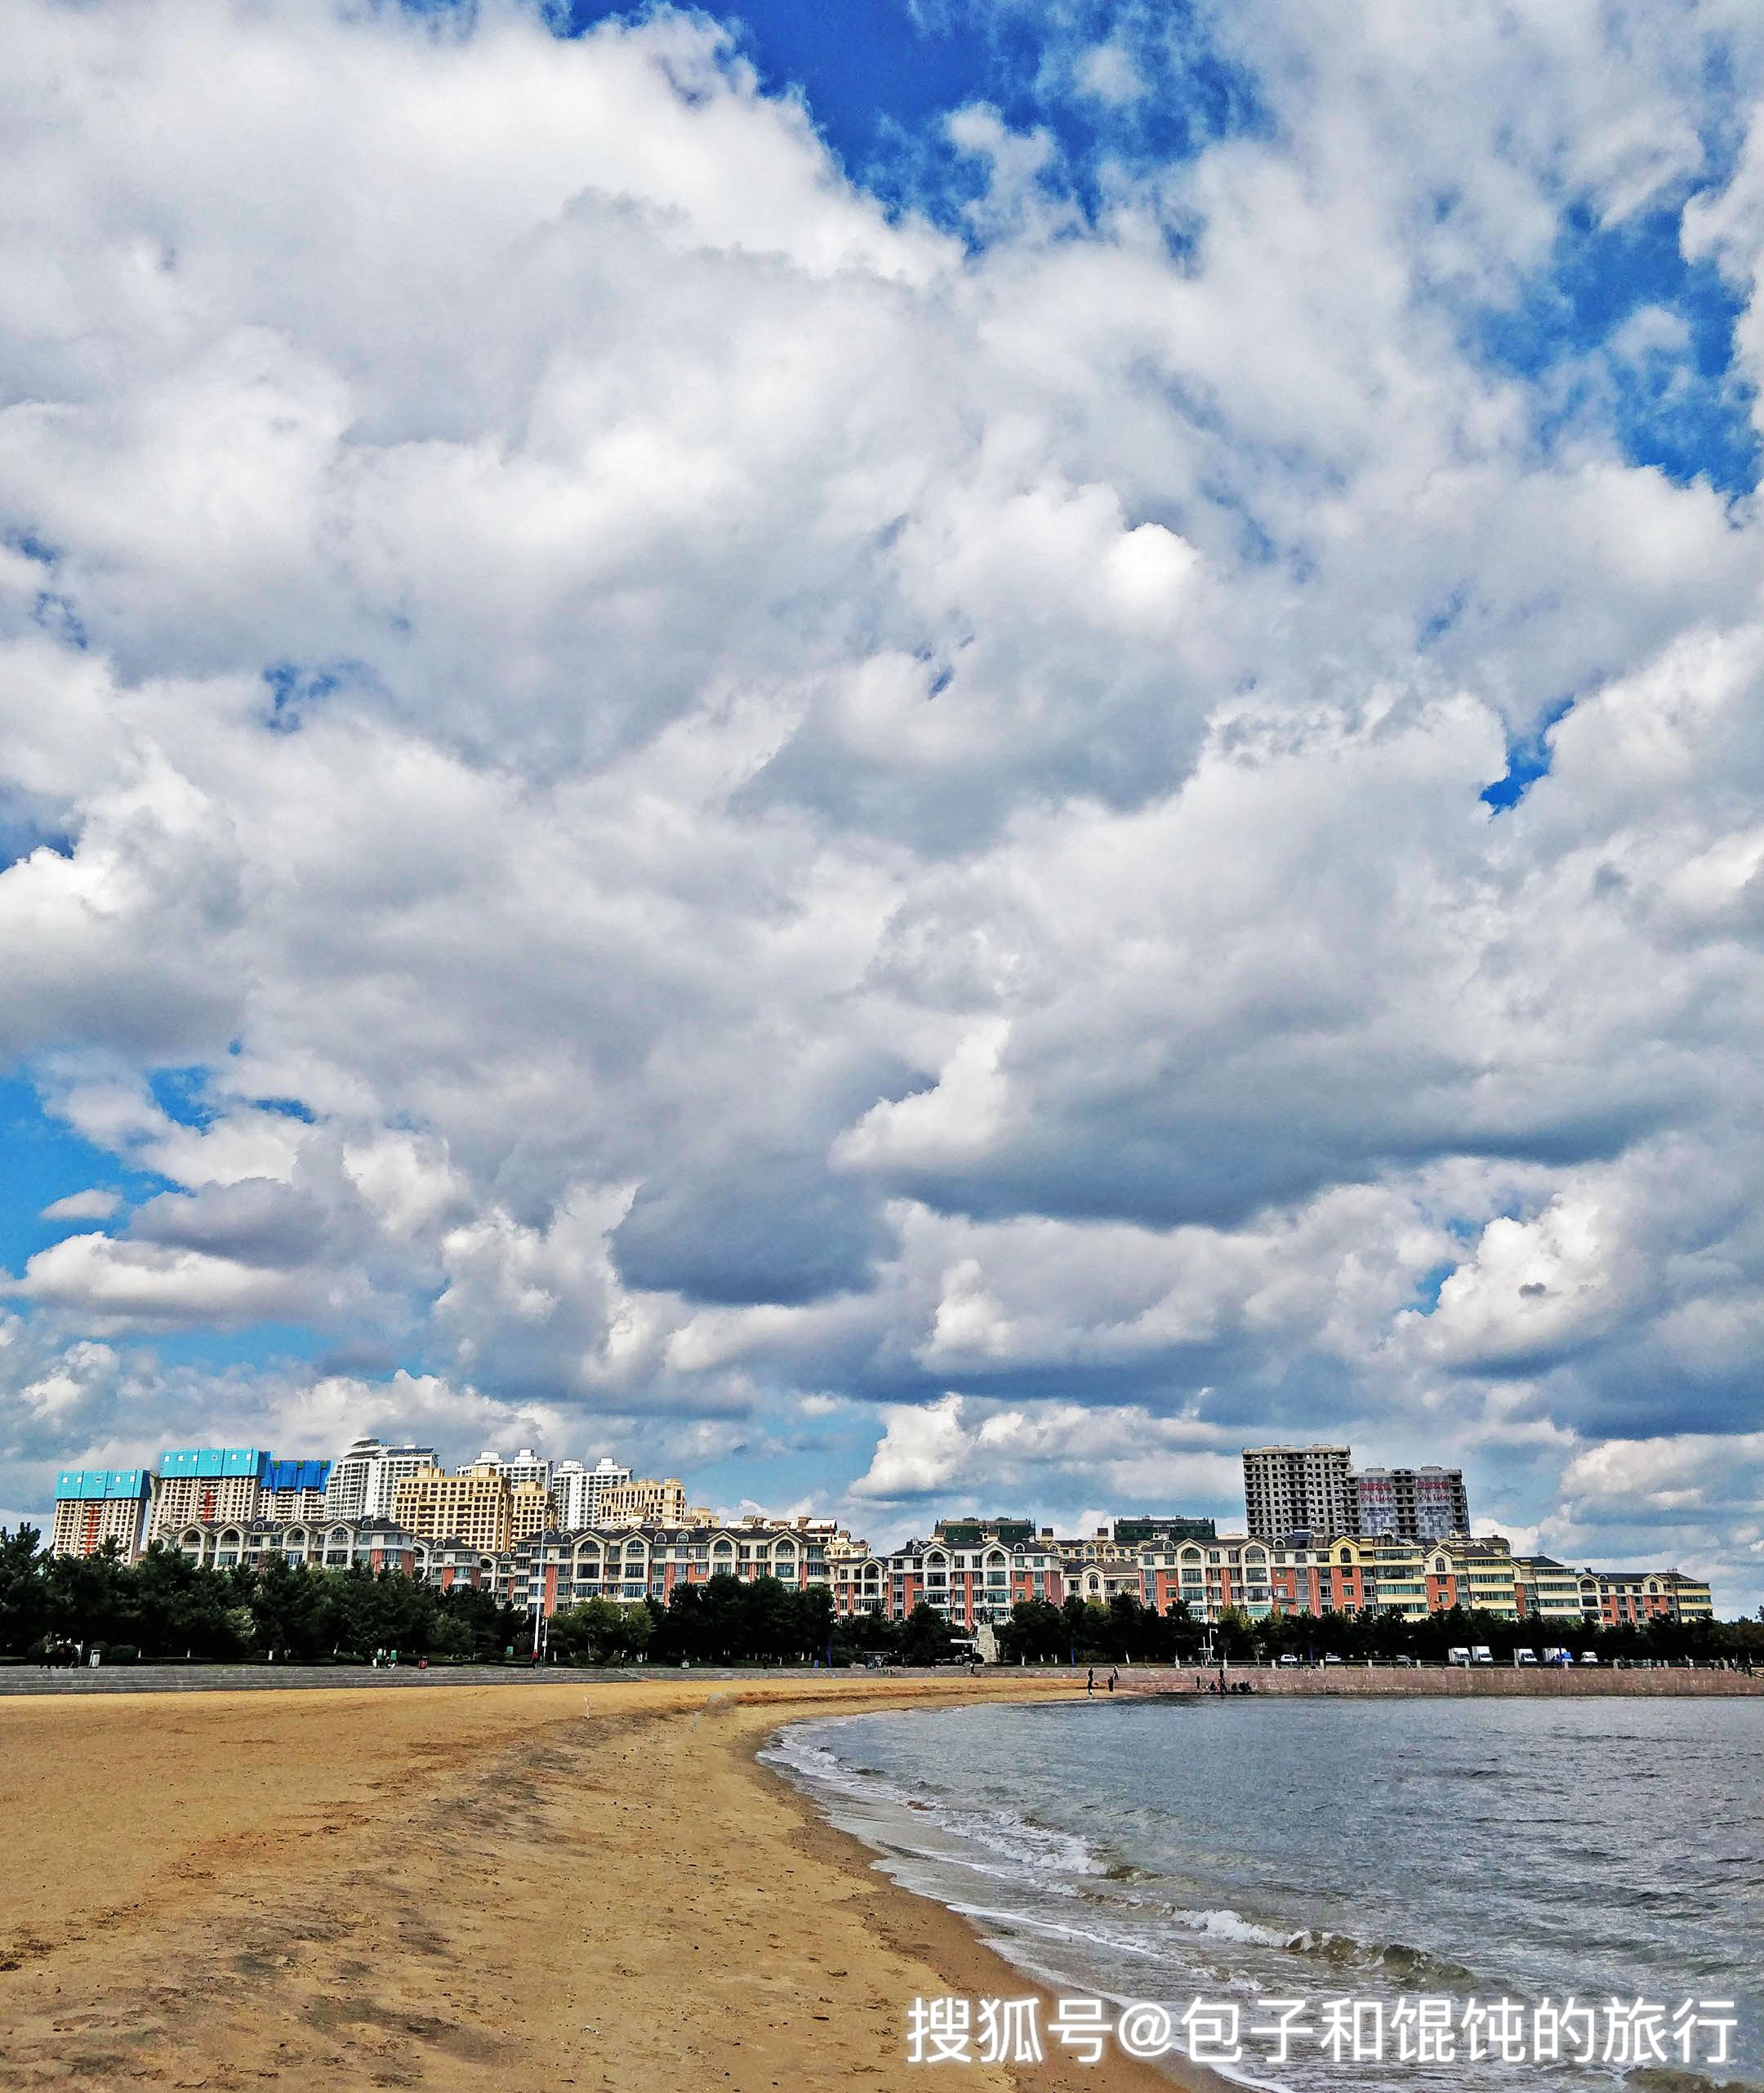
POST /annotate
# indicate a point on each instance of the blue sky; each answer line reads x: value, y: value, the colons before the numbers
x: 902, y: 757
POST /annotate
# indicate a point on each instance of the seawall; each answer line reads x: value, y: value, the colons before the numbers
x: 1525, y: 1681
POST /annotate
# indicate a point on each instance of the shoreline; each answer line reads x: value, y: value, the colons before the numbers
x: 952, y: 1944
x: 591, y: 1886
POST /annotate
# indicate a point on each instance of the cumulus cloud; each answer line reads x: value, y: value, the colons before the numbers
x: 674, y: 793
x: 95, y: 1205
x: 958, y: 1449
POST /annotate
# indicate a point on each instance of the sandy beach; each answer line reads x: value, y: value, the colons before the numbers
x: 588, y: 1885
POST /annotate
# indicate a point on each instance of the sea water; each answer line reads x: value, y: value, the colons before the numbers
x: 1237, y: 1849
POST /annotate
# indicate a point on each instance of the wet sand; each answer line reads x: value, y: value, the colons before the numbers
x: 514, y: 1886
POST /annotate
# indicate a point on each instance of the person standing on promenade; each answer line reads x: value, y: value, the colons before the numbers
x: 1089, y: 1682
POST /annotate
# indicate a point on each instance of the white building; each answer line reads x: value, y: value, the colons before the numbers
x: 580, y: 1493
x: 525, y: 1467
x: 364, y: 1480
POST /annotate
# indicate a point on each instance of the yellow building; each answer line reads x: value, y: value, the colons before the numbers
x: 1487, y: 1577
x: 475, y: 1506
x: 1550, y: 1590
x: 1689, y: 1597
x: 644, y: 1502
x: 1394, y: 1574
x: 531, y: 1510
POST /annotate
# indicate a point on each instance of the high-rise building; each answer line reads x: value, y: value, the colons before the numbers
x: 363, y: 1481
x: 96, y: 1506
x: 293, y: 1490
x: 580, y: 1492
x: 473, y: 1507
x: 203, y: 1484
x: 526, y: 1467
x: 1418, y: 1504
x: 1289, y: 1489
x: 208, y: 1483
x: 531, y: 1510
x: 644, y: 1502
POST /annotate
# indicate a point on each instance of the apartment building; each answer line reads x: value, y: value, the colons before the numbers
x: 94, y: 1507
x: 1613, y: 1598
x: 643, y: 1501
x: 526, y: 1467
x: 1547, y: 1590
x: 580, y: 1492
x: 558, y: 1568
x: 208, y: 1482
x: 1147, y: 1528
x: 363, y: 1480
x: 1289, y: 1489
x: 292, y: 1490
x: 1208, y: 1577
x: 1317, y: 1490
x: 475, y: 1508
x: 1416, y: 1504
x: 370, y: 1544
x: 974, y: 1584
x: 1485, y: 1575
x: 1690, y: 1598
x: 211, y: 1483
x: 968, y: 1571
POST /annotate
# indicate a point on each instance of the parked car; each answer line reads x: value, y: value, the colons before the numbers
x: 1459, y: 1656
x: 1525, y: 1656
x: 1482, y: 1655
x: 1588, y: 1657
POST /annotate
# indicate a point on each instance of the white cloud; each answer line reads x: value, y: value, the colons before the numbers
x: 96, y: 1205
x: 957, y: 1449
x: 717, y: 801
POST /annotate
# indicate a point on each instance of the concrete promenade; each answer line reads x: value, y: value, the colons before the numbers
x: 1346, y: 1681
x: 1458, y: 1682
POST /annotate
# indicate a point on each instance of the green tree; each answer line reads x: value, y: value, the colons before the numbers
x: 91, y: 1598
x: 290, y: 1611
x: 24, y: 1599
x: 1034, y: 1634
x: 929, y: 1637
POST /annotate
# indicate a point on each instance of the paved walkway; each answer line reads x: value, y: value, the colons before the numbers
x: 213, y: 1678
x: 21, y: 1679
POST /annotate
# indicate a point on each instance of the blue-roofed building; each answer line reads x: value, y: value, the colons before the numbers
x: 201, y: 1484
x: 96, y: 1506
x: 294, y: 1489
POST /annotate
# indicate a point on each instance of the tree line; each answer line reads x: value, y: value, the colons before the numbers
x: 163, y: 1605
x: 1123, y: 1631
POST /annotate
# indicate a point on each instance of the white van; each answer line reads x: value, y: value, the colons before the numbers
x: 1457, y: 1657
x: 1482, y: 1655
x: 1525, y: 1656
